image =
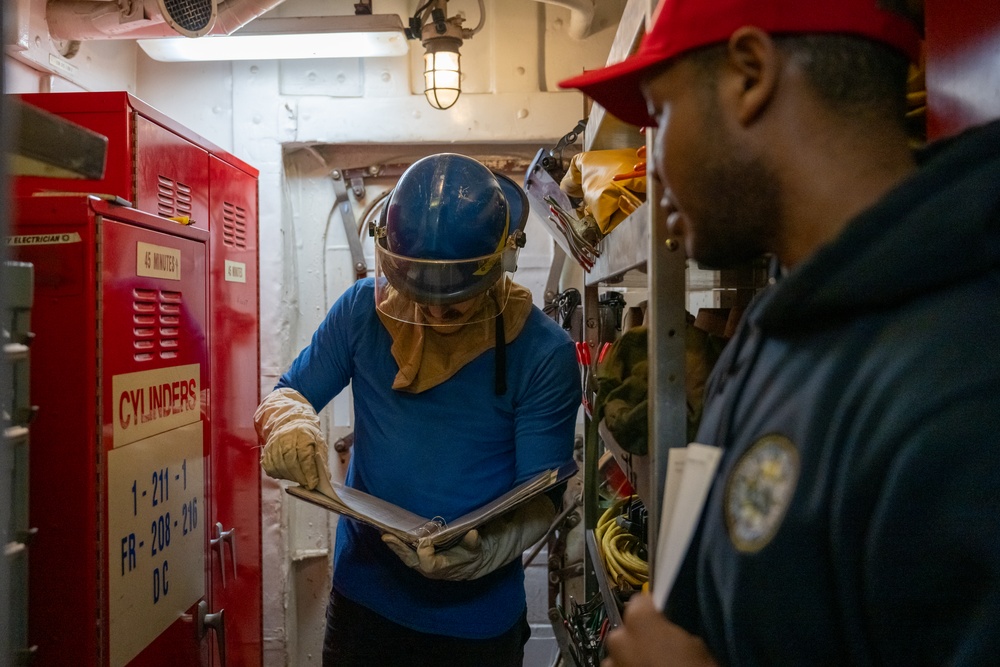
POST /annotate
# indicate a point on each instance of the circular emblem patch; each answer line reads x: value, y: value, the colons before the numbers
x: 759, y: 490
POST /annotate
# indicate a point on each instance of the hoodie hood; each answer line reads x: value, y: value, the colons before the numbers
x: 937, y: 228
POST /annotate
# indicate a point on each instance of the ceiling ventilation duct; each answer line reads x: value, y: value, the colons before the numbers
x: 135, y: 19
x: 192, y: 18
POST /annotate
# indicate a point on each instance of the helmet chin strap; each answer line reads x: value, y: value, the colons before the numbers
x: 500, y: 365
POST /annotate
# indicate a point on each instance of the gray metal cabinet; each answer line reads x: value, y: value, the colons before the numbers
x: 17, y: 413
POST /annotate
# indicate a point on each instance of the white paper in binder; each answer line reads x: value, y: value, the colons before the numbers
x: 690, y: 473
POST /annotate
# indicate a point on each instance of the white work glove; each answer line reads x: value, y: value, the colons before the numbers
x: 481, y: 551
x: 294, y: 447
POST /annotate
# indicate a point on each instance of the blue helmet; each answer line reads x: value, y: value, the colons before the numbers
x: 450, y: 229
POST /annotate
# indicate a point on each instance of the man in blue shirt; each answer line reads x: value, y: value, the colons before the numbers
x: 462, y: 389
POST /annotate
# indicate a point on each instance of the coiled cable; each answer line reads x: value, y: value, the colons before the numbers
x: 620, y: 548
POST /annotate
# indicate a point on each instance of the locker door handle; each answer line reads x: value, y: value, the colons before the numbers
x: 26, y: 536
x: 25, y: 656
x: 219, y: 543
x: 217, y: 622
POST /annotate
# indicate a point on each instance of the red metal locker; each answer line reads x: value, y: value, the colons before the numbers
x: 169, y: 171
x: 153, y: 162
x: 236, y: 554
x: 120, y: 374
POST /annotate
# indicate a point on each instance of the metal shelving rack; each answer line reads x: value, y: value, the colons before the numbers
x: 639, y: 245
x: 640, y: 251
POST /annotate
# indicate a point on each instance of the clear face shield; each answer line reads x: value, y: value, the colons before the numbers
x: 432, y: 292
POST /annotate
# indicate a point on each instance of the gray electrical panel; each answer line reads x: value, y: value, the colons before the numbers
x: 17, y: 414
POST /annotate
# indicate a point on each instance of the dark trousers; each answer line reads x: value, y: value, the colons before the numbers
x: 358, y: 637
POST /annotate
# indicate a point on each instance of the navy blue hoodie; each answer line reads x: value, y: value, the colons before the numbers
x: 855, y: 519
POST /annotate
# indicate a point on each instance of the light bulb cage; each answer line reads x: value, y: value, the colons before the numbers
x: 442, y: 71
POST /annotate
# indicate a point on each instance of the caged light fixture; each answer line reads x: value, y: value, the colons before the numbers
x: 441, y: 37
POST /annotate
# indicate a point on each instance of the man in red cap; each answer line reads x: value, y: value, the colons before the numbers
x: 855, y: 515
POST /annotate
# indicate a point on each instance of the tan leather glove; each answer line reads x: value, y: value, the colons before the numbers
x: 480, y: 551
x: 294, y: 447
x: 610, y: 183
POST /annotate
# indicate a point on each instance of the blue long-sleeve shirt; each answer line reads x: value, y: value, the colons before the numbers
x: 442, y: 452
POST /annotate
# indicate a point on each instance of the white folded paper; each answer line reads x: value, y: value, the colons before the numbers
x: 690, y: 473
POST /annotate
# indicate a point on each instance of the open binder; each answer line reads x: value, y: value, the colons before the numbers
x: 411, y: 528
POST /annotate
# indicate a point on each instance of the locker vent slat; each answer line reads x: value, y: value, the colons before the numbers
x: 172, y: 198
x: 144, y: 321
x: 234, y: 225
x: 157, y: 320
x: 170, y: 312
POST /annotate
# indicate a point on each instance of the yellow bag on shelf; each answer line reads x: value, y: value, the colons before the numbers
x: 591, y: 177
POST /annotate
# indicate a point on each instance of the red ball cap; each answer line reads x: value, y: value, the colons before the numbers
x: 682, y: 25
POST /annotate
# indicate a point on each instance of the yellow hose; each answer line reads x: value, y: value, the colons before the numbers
x: 620, y: 549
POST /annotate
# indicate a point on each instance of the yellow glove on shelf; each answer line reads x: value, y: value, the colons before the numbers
x: 610, y: 182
